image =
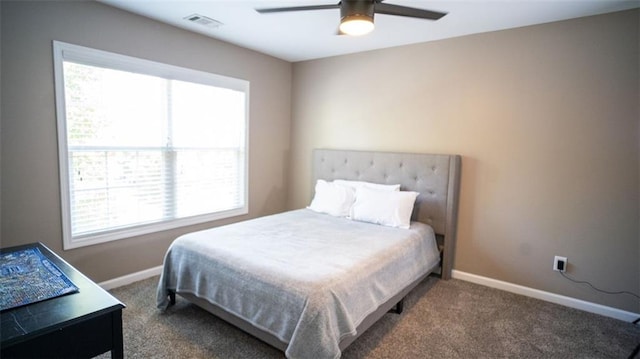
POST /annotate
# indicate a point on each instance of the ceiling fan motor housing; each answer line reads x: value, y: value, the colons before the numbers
x: 357, y: 9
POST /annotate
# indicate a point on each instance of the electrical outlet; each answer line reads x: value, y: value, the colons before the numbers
x: 559, y: 264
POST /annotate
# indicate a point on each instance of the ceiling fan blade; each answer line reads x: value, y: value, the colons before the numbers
x: 298, y: 8
x: 390, y: 9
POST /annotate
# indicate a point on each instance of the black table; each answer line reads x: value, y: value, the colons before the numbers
x: 78, y: 325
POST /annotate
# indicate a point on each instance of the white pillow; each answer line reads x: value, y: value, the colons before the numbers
x: 332, y: 198
x: 388, y: 208
x: 358, y: 184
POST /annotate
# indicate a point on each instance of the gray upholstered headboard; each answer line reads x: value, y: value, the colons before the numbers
x: 436, y: 177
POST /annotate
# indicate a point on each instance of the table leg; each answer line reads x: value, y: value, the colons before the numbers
x: 118, y: 345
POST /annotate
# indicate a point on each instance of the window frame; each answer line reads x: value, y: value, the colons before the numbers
x: 87, y: 56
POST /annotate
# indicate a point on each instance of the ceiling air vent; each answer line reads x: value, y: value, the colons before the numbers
x: 203, y: 20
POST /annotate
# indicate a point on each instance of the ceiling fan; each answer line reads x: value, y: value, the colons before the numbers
x: 356, y: 16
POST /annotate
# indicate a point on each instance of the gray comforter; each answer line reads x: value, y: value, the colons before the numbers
x: 307, y: 278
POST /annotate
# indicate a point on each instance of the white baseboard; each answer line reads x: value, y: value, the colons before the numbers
x: 130, y: 278
x: 547, y: 296
x: 489, y: 282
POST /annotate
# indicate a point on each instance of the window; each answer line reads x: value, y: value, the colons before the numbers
x: 145, y: 146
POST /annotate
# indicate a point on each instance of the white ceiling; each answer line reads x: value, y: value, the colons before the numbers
x: 306, y: 35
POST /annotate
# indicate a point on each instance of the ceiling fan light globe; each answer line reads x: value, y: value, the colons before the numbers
x: 356, y: 25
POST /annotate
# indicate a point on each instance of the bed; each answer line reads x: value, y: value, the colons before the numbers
x: 310, y: 283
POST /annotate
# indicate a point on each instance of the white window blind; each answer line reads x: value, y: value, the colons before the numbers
x: 146, y: 146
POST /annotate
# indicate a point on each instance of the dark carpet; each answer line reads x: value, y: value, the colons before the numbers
x: 441, y: 319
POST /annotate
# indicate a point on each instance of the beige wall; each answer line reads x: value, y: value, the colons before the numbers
x: 30, y: 203
x: 546, y: 119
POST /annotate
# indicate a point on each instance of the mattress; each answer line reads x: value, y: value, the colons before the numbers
x: 309, y: 279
